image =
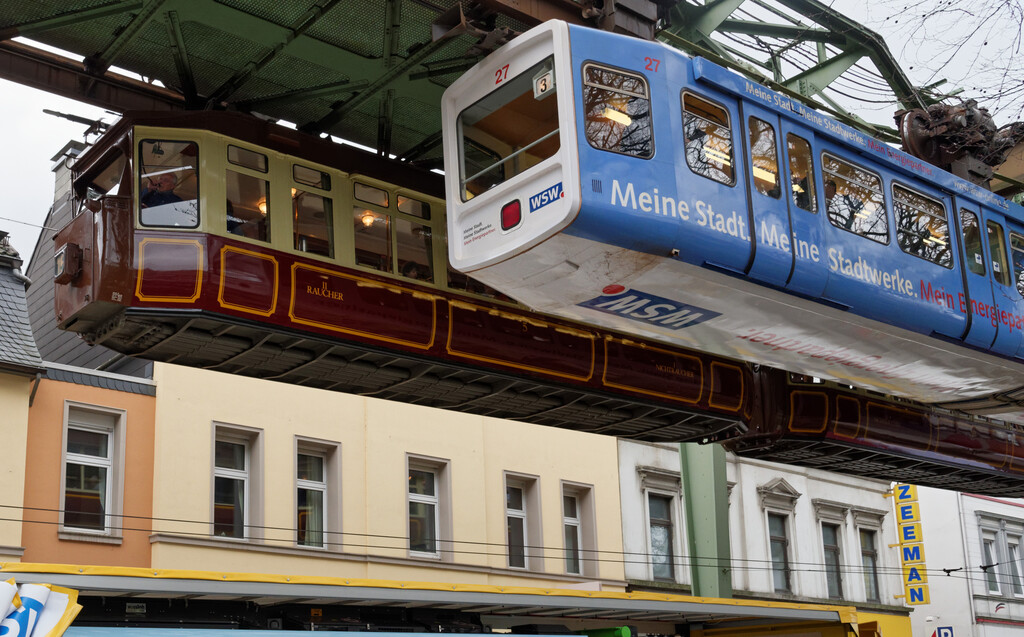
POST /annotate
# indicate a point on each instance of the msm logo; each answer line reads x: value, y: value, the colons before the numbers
x: 648, y: 308
x: 544, y: 197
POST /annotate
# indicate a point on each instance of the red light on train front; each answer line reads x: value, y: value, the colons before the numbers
x: 511, y: 215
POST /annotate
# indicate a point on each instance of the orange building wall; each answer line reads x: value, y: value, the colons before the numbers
x: 44, y: 471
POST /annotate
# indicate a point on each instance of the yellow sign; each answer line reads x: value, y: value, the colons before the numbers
x: 908, y: 512
x: 917, y: 595
x: 908, y: 525
x: 912, y: 553
x: 914, y: 575
x: 904, y: 493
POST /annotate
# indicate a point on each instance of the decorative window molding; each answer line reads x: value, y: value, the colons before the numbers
x: 779, y: 495
x: 864, y: 516
x: 830, y: 511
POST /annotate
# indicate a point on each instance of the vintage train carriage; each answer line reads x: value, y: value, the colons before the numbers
x: 222, y: 241
x: 622, y: 184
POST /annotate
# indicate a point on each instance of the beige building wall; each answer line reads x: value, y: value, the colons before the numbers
x: 14, y: 396
x: 376, y: 441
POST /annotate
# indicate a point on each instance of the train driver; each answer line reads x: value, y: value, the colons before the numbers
x: 160, y: 190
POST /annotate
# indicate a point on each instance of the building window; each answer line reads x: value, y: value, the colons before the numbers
x: 311, y: 498
x: 778, y: 540
x: 833, y: 560
x: 869, y: 562
x: 93, y: 465
x: 988, y: 545
x: 1013, y: 565
x: 571, y: 533
x: 427, y: 510
x: 659, y: 515
x: 235, y: 476
x: 515, y: 521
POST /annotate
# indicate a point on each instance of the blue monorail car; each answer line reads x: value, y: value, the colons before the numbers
x: 621, y: 183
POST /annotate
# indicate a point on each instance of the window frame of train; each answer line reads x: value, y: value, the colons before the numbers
x: 998, y: 256
x: 182, y: 211
x: 880, y: 211
x: 974, y: 247
x: 937, y: 215
x: 246, y: 164
x: 1017, y: 252
x: 806, y: 155
x: 687, y: 116
x: 401, y: 214
x: 111, y: 172
x: 625, y: 116
x: 496, y: 105
x: 318, y: 189
x: 765, y: 130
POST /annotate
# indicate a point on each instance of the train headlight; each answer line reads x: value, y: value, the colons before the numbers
x: 511, y: 215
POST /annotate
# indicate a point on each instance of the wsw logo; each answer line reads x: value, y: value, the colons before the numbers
x: 648, y: 308
x: 544, y: 197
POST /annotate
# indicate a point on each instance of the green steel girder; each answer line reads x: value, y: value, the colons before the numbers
x: 186, y: 79
x: 98, y: 63
x: 302, y: 94
x: 783, y: 31
x: 71, y: 18
x: 697, y: 23
x: 821, y: 75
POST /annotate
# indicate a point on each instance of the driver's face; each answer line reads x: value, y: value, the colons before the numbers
x: 165, y: 182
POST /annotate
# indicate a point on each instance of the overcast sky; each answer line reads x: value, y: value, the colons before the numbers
x: 31, y: 137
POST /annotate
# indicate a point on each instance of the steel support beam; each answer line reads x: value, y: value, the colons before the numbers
x: 98, y: 63
x: 28, y: 29
x: 59, y: 75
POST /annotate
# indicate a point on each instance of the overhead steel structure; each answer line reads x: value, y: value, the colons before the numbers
x: 373, y: 72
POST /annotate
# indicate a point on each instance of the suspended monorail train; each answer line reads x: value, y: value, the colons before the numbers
x: 624, y: 185
x: 223, y: 241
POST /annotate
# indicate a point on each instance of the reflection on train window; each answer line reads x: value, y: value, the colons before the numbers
x: 764, y: 158
x: 974, y: 254
x: 708, y: 139
x: 617, y: 111
x: 516, y: 124
x: 921, y: 226
x: 372, y: 238
x: 247, y: 158
x: 1017, y: 250
x: 168, y: 185
x: 106, y: 182
x: 247, y: 205
x: 369, y: 194
x: 414, y: 250
x: 314, y: 225
x: 311, y: 177
x: 997, y: 244
x: 413, y: 207
x: 801, y: 171
x: 854, y: 200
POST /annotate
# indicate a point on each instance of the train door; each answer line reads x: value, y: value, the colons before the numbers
x: 1005, y: 297
x: 803, y: 195
x: 1013, y: 320
x: 717, y: 228
x: 772, y: 256
x: 981, y: 331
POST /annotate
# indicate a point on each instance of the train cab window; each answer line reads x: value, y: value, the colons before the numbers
x: 312, y: 212
x: 974, y: 253
x: 1017, y: 252
x: 764, y: 158
x: 168, y: 184
x: 617, y: 111
x: 708, y: 139
x: 247, y: 158
x: 921, y: 226
x: 854, y: 199
x: 107, y: 181
x: 997, y: 244
x: 516, y: 125
x: 248, y: 200
x: 372, y: 229
x: 801, y: 171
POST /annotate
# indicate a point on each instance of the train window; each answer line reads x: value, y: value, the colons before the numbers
x: 764, y: 158
x: 854, y: 199
x: 107, y: 182
x: 1017, y: 251
x: 311, y: 177
x: 413, y: 207
x: 801, y: 171
x: 247, y: 205
x: 372, y: 238
x: 168, y: 185
x: 508, y: 131
x: 974, y: 254
x: 921, y: 226
x: 369, y: 194
x: 314, y: 223
x: 414, y: 253
x: 708, y: 139
x: 247, y: 158
x: 617, y: 111
x: 997, y: 244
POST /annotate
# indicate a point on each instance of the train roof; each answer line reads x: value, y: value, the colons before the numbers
x: 269, y: 134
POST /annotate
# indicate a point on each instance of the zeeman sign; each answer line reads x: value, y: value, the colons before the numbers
x: 908, y: 523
